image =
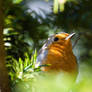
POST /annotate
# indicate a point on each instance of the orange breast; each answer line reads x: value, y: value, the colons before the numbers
x: 61, y: 59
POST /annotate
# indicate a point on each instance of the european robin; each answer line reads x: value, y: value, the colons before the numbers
x: 57, y: 52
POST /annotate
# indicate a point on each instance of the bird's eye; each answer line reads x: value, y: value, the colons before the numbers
x: 56, y: 39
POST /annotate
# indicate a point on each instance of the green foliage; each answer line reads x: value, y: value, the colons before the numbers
x: 17, y: 1
x: 57, y: 4
x: 23, y: 69
x: 60, y: 4
x: 22, y: 31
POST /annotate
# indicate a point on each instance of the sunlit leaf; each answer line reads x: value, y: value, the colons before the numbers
x: 55, y: 7
x: 17, y: 1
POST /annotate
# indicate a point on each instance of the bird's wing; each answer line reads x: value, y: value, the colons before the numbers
x: 44, y: 50
x: 46, y: 44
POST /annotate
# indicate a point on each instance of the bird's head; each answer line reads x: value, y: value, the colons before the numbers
x: 62, y: 39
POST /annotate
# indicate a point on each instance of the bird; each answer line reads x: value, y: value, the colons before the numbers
x: 57, y: 54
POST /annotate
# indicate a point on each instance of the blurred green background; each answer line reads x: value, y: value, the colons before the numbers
x: 28, y: 23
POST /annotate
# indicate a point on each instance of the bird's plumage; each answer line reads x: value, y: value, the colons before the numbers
x: 57, y: 51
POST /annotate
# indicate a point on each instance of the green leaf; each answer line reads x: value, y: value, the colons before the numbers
x: 21, y: 65
x: 17, y: 1
x: 61, y: 7
x: 55, y: 8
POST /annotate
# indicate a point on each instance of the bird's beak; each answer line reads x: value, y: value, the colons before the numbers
x: 70, y: 36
